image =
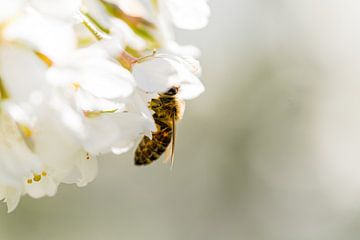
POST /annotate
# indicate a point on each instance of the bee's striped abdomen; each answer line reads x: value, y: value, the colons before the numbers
x: 150, y: 150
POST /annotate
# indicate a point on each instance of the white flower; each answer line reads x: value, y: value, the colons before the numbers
x: 159, y: 73
x: 21, y: 71
x: 116, y: 132
x: 51, y: 146
x: 118, y: 30
x: 187, y: 14
x: 184, y: 14
x: 109, y: 118
x: 17, y: 162
x: 42, y: 34
x: 60, y: 149
x: 67, y: 96
x: 92, y: 70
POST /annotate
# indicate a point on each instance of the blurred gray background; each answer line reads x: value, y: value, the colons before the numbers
x: 269, y: 152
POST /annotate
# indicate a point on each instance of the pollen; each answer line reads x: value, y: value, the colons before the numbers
x: 76, y: 85
x: 91, y: 114
x: 26, y: 131
x: 37, y: 177
x: 44, y: 58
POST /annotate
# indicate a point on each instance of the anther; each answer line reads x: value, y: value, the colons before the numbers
x: 37, y: 177
x: 76, y: 85
x: 26, y: 131
x: 44, y: 58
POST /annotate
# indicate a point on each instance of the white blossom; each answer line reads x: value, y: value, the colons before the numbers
x: 159, y: 73
x: 187, y: 14
x: 76, y: 79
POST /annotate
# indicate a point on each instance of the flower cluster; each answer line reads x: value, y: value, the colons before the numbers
x: 76, y: 77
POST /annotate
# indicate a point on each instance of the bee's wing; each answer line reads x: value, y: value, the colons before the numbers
x: 173, y: 142
x: 170, y: 151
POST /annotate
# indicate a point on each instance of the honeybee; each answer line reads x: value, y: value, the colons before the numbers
x: 167, y: 110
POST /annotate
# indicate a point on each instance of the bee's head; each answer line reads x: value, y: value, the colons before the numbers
x: 172, y: 91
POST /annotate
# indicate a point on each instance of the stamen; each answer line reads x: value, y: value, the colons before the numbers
x: 127, y: 60
x: 44, y: 58
x: 26, y: 131
x: 37, y: 177
x: 76, y: 86
x: 98, y: 34
x: 3, y: 93
x: 91, y: 114
x: 142, y: 59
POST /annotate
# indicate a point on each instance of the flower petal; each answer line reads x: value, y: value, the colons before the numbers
x: 12, y: 198
x: 163, y: 71
x: 44, y: 37
x: 154, y: 75
x: 189, y: 14
x: 63, y: 9
x: 22, y: 71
